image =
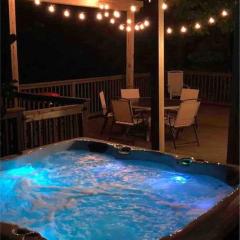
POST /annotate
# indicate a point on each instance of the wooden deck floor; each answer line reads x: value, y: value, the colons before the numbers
x: 213, y: 134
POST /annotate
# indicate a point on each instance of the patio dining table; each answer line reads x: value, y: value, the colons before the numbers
x: 145, y: 104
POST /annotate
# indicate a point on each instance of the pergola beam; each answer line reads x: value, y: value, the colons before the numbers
x: 121, y: 5
x: 161, y: 96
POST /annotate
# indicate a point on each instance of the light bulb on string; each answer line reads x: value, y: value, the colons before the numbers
x: 211, y: 20
x: 169, y: 30
x: 164, y: 6
x: 137, y: 27
x: 142, y: 26
x: 197, y: 26
x: 37, y: 2
x: 99, y: 16
x: 106, y: 14
x: 106, y: 6
x: 129, y: 21
x: 128, y: 29
x: 133, y: 8
x: 183, y: 29
x: 146, y: 23
x: 82, y: 16
x: 112, y: 21
x: 224, y: 13
x: 116, y: 14
x: 66, y: 13
x: 51, y: 8
x: 121, y: 27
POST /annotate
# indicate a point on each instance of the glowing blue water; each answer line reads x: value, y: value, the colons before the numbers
x: 81, y: 195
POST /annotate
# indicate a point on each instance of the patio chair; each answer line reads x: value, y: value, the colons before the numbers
x: 175, y: 83
x: 123, y: 115
x: 130, y: 93
x: 189, y: 94
x: 185, y: 118
x: 106, y: 113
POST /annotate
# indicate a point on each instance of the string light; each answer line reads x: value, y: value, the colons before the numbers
x: 106, y: 6
x: 183, y: 29
x: 142, y: 26
x: 224, y: 13
x: 37, y: 2
x: 66, y: 13
x: 133, y: 8
x: 106, y: 14
x: 112, y: 21
x: 211, y: 20
x: 81, y: 16
x: 146, y: 23
x: 129, y: 21
x: 197, y: 26
x: 51, y: 8
x: 164, y: 6
x: 128, y: 29
x: 137, y: 27
x: 101, y: 6
x: 116, y: 14
x: 121, y: 27
x: 99, y: 16
x: 169, y: 30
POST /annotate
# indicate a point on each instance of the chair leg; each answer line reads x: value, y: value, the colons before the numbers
x: 173, y: 137
x: 104, y: 125
x: 196, y: 135
x: 178, y: 131
x: 196, y: 122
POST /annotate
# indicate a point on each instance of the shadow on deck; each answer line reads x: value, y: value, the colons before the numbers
x: 213, y: 135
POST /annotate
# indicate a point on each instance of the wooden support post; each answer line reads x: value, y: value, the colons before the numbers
x: 13, y: 32
x: 161, y: 75
x: 130, y: 52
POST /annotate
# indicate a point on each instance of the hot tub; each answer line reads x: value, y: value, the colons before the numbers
x: 85, y: 189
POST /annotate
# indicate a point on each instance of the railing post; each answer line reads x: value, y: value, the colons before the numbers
x: 73, y: 90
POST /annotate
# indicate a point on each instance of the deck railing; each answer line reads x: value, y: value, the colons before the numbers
x: 89, y: 88
x: 42, y: 120
x: 214, y: 87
